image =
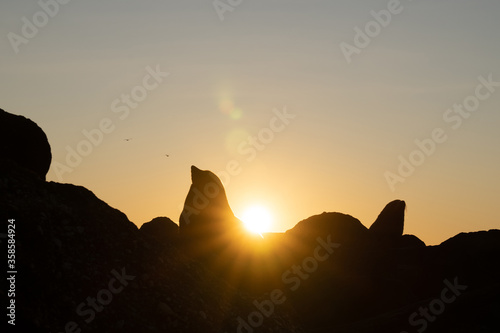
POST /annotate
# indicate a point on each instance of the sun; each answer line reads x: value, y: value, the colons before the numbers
x: 257, y: 219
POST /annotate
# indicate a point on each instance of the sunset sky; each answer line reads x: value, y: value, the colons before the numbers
x: 302, y: 106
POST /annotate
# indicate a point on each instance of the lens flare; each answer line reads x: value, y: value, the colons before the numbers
x: 257, y: 219
x: 227, y: 107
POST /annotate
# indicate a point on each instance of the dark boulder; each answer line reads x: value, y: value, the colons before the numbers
x: 74, y: 250
x: 206, y: 209
x: 341, y: 228
x: 207, y: 224
x: 410, y: 241
x: 22, y: 141
x: 162, y: 229
x: 389, y: 224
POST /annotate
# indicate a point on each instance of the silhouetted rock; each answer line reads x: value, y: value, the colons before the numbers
x: 73, y: 249
x: 207, y: 224
x: 390, y: 222
x: 82, y: 261
x: 206, y: 209
x: 22, y: 141
x: 342, y: 228
x: 410, y: 241
x: 162, y: 229
x: 472, y: 253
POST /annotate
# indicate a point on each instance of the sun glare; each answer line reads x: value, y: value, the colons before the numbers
x: 257, y: 219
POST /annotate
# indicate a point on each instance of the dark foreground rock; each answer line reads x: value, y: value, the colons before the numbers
x: 162, y: 229
x: 22, y: 141
x: 83, y: 264
x: 389, y: 224
x: 84, y: 267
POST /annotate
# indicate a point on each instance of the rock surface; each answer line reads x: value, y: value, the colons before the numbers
x: 390, y: 222
x: 22, y: 141
x: 82, y: 265
x: 342, y: 228
x: 206, y: 208
x: 161, y: 229
x: 71, y: 246
x: 207, y: 225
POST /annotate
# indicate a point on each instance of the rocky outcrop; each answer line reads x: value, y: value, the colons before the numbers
x: 22, y: 141
x: 387, y: 230
x: 207, y: 225
x: 339, y: 228
x: 206, y: 209
x: 73, y: 247
x: 161, y: 229
x: 83, y: 266
x: 409, y: 241
x: 390, y: 222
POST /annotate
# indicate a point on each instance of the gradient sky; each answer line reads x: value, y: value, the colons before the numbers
x: 352, y: 120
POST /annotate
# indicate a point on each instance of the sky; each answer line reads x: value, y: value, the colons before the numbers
x: 300, y: 106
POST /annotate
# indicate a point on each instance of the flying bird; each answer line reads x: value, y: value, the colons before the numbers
x: 128, y: 139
